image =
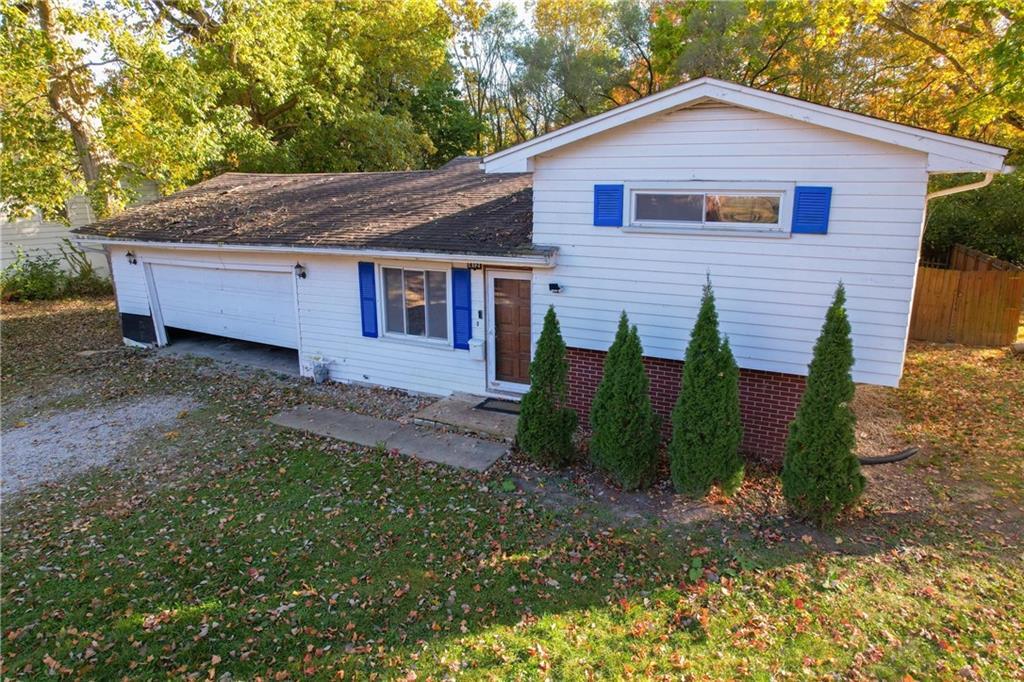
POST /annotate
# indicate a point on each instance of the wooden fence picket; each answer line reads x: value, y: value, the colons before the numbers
x: 977, y: 302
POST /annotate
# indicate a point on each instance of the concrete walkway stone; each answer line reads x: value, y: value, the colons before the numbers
x: 433, y: 446
x: 459, y: 410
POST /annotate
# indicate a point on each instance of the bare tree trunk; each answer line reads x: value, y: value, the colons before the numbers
x: 72, y: 98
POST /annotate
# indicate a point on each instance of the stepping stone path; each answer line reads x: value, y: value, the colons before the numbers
x: 432, y: 446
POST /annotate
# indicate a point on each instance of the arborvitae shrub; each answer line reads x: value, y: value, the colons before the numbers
x: 820, y: 473
x: 731, y: 466
x: 706, y: 427
x: 605, y: 390
x: 546, y: 424
x: 624, y: 427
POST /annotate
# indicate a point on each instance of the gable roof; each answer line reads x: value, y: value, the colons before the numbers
x: 946, y: 154
x: 456, y: 209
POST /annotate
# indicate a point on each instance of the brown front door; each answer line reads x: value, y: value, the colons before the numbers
x: 512, y: 330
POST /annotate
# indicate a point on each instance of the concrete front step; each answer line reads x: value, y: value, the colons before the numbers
x: 459, y: 411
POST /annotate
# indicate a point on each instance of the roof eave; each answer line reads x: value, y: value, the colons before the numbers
x: 536, y: 257
x: 946, y: 154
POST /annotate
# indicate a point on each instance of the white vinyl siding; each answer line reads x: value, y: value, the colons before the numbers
x: 129, y: 283
x: 330, y: 326
x: 771, y: 293
x: 36, y: 236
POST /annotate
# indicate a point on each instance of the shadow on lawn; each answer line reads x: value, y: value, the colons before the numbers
x: 310, y: 554
x: 304, y: 553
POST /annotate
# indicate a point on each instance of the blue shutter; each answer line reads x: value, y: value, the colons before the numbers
x: 810, y: 209
x: 462, y: 308
x: 368, y: 299
x: 608, y: 205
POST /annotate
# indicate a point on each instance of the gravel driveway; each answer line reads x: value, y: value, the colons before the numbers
x: 56, y: 445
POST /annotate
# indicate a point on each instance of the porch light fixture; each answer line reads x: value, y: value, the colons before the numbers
x: 300, y: 271
x: 132, y: 260
x: 555, y: 288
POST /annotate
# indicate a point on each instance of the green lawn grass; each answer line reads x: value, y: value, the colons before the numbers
x: 313, y: 559
x: 299, y: 557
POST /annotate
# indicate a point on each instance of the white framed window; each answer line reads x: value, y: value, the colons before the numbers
x: 415, y: 302
x: 724, y: 208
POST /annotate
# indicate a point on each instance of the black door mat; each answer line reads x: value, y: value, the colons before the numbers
x: 498, y: 405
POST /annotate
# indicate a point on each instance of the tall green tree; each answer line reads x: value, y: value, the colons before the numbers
x: 328, y: 89
x: 50, y: 128
x: 820, y: 473
x: 439, y: 111
x: 98, y: 93
x: 482, y: 51
x: 575, y: 59
x: 950, y: 65
x: 546, y: 422
x: 990, y: 219
x: 624, y: 426
x: 706, y: 426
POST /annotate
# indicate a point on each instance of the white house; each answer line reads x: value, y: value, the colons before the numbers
x: 35, y: 236
x: 437, y: 281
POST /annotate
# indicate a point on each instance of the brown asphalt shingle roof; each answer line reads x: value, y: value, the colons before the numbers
x: 454, y: 209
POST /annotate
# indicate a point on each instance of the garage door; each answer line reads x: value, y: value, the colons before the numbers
x: 252, y: 305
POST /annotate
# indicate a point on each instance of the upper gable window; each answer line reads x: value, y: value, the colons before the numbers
x: 724, y: 209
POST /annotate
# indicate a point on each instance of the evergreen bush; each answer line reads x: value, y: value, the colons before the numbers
x: 546, y: 424
x: 83, y: 279
x: 624, y: 427
x: 34, y: 278
x: 42, y: 277
x: 603, y: 396
x: 706, y: 426
x: 820, y: 473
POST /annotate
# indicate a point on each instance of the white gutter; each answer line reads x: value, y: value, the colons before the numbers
x: 532, y: 260
x: 985, y: 182
x: 88, y: 248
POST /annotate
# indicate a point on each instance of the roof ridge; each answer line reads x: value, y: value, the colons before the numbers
x: 455, y: 209
x: 946, y: 153
x: 318, y: 174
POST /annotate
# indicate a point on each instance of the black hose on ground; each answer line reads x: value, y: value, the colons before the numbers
x: 906, y: 453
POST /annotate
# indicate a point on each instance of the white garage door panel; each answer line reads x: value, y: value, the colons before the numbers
x: 253, y: 305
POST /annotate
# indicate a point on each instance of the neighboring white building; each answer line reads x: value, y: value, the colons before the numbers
x: 36, y: 236
x: 438, y: 281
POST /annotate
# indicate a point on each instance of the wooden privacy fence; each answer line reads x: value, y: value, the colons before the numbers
x: 977, y: 301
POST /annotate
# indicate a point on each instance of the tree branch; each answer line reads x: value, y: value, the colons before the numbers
x: 934, y: 46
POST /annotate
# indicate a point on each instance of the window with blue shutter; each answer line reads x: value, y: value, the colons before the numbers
x: 608, y: 205
x: 810, y: 210
x: 368, y: 299
x: 462, y: 308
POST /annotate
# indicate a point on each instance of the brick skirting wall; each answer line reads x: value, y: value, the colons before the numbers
x: 768, y: 400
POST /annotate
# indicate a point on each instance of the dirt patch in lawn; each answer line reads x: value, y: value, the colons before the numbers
x: 899, y: 497
x: 59, y: 444
x: 880, y: 428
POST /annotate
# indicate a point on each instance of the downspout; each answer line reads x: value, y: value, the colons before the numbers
x: 961, y: 188
x: 985, y: 182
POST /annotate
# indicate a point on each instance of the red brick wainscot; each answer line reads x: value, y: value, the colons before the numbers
x: 768, y: 400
